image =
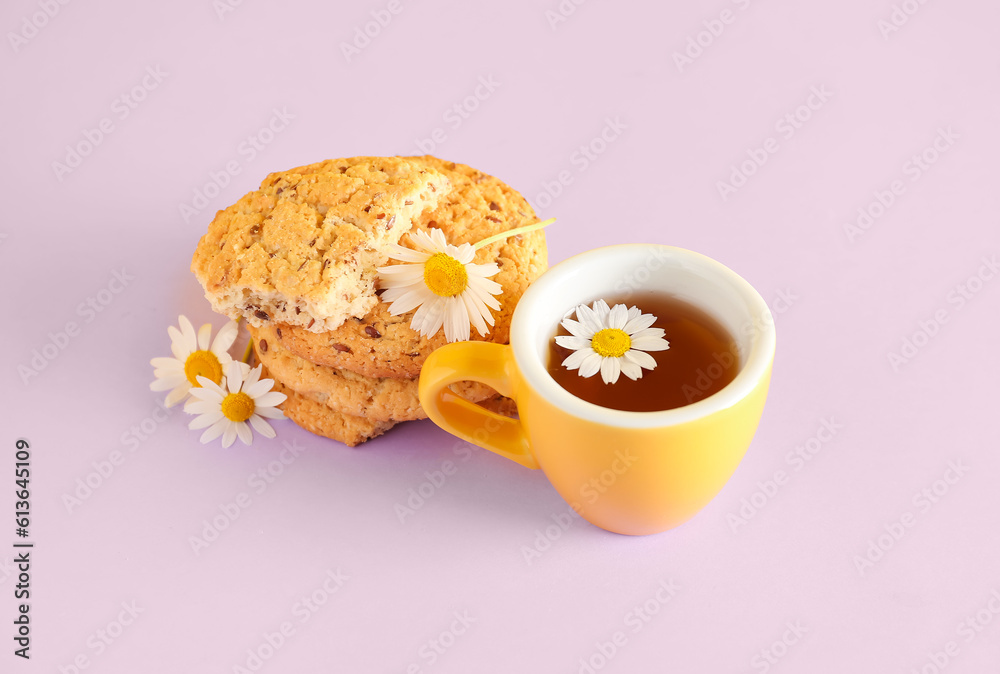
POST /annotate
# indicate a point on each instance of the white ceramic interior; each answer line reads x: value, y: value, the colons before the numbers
x: 611, y: 272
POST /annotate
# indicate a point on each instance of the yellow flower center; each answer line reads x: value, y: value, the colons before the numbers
x: 445, y: 276
x: 203, y: 364
x: 238, y: 406
x: 611, y: 342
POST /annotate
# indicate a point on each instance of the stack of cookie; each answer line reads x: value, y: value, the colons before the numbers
x: 298, y: 258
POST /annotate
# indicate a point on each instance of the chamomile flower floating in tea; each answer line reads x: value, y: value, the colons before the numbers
x: 443, y: 284
x: 226, y: 410
x: 195, y: 355
x: 611, y: 341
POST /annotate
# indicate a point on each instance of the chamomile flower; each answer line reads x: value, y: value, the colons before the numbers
x: 442, y: 283
x: 195, y: 355
x: 226, y: 411
x: 611, y: 341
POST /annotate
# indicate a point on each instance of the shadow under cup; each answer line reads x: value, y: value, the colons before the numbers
x: 640, y: 472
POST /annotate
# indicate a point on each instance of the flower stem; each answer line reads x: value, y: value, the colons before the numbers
x: 249, y: 350
x: 513, y: 232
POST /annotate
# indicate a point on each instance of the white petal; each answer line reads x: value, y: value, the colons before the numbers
x: 429, y: 317
x: 631, y: 370
x: 244, y: 433
x: 602, y: 310
x: 456, y: 321
x: 164, y: 384
x: 483, y: 270
x: 577, y: 329
x: 485, y: 288
x: 618, y: 317
x: 188, y: 333
x: 648, y: 332
x: 400, y: 275
x: 234, y: 376
x: 482, y: 295
x: 465, y: 254
x: 639, y: 322
x: 195, y: 406
x: 252, y: 379
x: 438, y: 241
x: 270, y: 412
x: 167, y: 364
x: 262, y: 426
x: 205, y: 420
x: 215, y: 430
x: 171, y: 376
x: 404, y: 254
x: 610, y: 369
x: 475, y: 312
x: 229, y: 434
x: 650, y: 343
x: 177, y: 395
x: 589, y: 319
x: 640, y: 358
x: 170, y: 373
x: 269, y: 398
x: 177, y: 347
x: 225, y: 338
x: 204, y: 336
x: 412, y: 299
x: 575, y: 359
x: 208, y: 390
x: 591, y: 365
x: 573, y: 342
x: 258, y: 388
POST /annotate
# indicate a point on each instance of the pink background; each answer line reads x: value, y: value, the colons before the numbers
x: 844, y: 301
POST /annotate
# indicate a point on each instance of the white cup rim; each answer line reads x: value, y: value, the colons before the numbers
x: 537, y: 302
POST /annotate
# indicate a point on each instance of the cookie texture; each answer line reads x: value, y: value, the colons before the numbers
x: 302, y: 250
x: 378, y: 399
x: 475, y: 207
x: 317, y: 418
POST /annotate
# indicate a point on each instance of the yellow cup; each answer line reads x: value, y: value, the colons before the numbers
x: 627, y: 472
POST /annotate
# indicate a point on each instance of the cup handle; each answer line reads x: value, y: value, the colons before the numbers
x: 490, y: 364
